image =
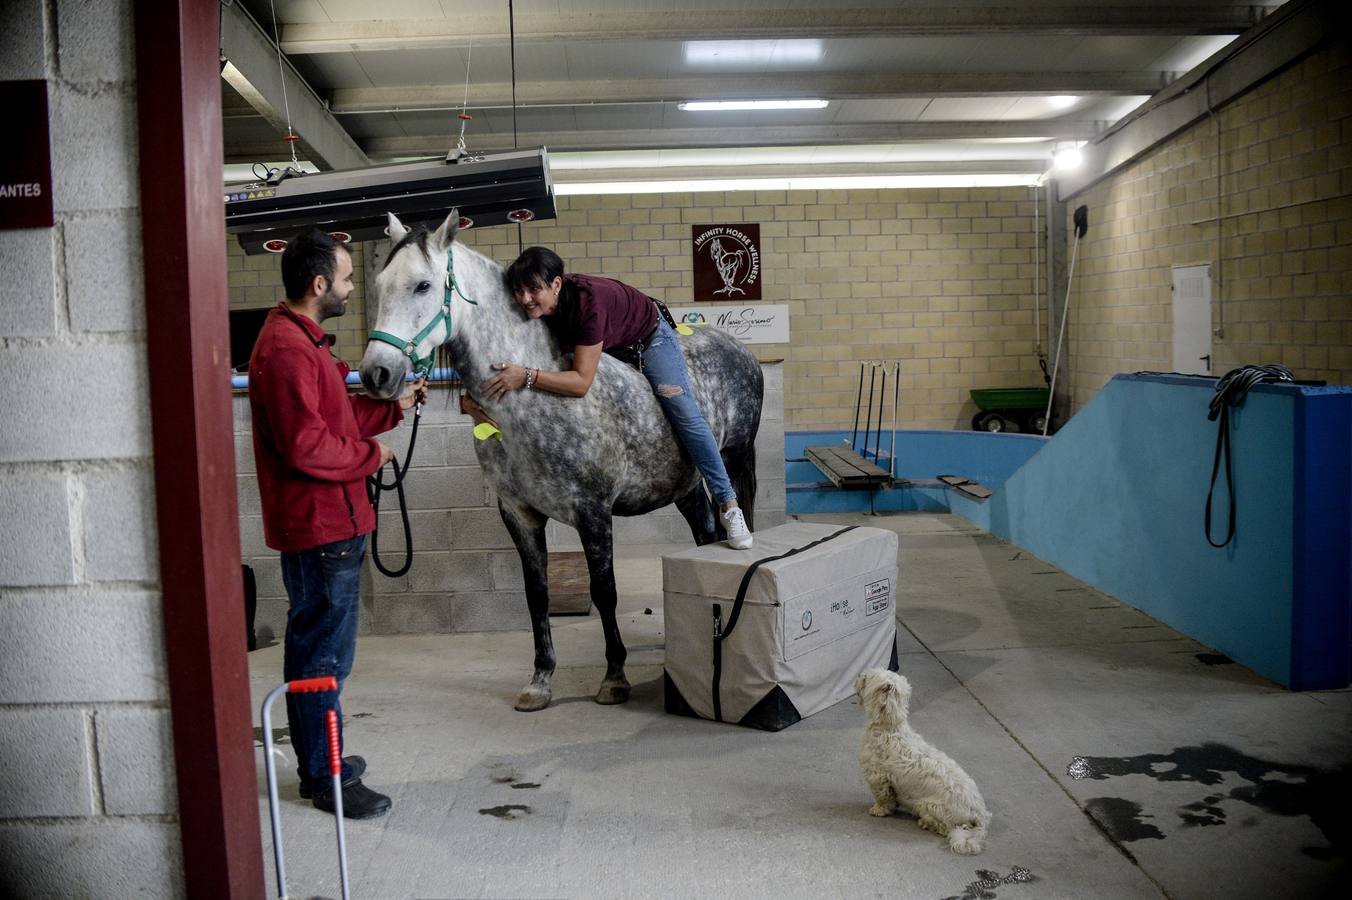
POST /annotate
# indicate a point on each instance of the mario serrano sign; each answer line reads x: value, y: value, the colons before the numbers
x: 25, y: 157
x: 766, y: 324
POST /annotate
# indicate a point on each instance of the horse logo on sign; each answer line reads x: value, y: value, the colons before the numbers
x: 727, y: 261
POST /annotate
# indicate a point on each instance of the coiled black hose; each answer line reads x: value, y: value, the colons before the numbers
x: 1231, y: 389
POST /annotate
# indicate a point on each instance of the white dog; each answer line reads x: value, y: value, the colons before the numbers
x: 902, y: 769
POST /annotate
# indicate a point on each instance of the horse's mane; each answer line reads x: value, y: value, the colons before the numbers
x: 417, y: 236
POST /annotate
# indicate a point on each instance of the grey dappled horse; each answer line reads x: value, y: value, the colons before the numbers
x: 576, y: 460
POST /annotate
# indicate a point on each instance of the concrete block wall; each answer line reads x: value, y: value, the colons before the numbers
x: 465, y: 574
x: 941, y: 280
x: 1264, y: 195
x: 87, y: 788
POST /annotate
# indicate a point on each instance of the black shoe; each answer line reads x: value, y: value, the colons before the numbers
x: 359, y: 801
x: 355, y: 763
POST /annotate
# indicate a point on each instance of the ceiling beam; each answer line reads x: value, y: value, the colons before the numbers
x: 1295, y: 31
x: 720, y: 25
x: 252, y: 70
x: 685, y: 138
x: 670, y: 90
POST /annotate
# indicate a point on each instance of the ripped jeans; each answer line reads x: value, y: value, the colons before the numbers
x: 664, y: 367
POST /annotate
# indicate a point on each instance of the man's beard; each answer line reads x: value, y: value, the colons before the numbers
x: 331, y: 306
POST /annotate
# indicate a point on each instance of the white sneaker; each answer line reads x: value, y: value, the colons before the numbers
x: 739, y: 536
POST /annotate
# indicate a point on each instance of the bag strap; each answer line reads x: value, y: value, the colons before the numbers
x: 721, y: 633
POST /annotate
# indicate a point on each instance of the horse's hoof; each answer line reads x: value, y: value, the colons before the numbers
x: 533, y: 699
x: 613, y: 692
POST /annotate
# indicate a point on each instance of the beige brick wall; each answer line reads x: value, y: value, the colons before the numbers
x: 1279, y: 243
x: 940, y: 280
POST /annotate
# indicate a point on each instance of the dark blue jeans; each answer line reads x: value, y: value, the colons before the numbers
x: 323, y: 584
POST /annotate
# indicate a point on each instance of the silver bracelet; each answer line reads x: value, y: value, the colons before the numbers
x: 531, y: 375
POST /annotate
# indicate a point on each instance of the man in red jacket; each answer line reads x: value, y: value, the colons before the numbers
x: 314, y: 446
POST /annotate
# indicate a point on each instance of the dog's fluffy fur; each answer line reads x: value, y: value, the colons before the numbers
x: 902, y: 769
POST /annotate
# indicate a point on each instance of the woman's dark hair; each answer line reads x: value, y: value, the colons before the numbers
x: 535, y: 266
x: 310, y: 253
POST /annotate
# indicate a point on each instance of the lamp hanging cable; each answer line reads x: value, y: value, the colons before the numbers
x: 464, y: 116
x: 511, y: 46
x: 291, y: 136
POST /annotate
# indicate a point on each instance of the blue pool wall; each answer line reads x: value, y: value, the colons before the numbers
x: 1116, y: 499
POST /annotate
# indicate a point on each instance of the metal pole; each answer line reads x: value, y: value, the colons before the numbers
x: 274, y: 806
x: 892, y: 448
x: 868, y: 418
x: 857, y: 400
x: 336, y: 772
x: 882, y: 395
x: 1060, y: 334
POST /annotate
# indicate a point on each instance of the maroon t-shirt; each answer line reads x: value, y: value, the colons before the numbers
x: 596, y: 310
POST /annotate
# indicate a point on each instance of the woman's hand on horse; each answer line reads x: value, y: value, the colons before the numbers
x: 510, y: 377
x: 414, y: 393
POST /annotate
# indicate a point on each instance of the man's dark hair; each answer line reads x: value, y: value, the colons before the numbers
x: 535, y: 266
x: 310, y: 253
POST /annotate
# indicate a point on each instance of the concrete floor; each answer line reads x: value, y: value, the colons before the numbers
x: 1197, y: 778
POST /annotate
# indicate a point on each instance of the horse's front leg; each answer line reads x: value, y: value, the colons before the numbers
x: 527, y: 528
x: 597, y: 543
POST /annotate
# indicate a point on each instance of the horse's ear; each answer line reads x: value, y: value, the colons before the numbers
x: 446, y: 232
x: 395, y: 229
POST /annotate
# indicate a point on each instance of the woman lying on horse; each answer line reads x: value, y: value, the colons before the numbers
x: 593, y: 315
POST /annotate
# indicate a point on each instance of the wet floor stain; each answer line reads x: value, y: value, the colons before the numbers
x: 508, y: 811
x: 1279, y: 789
x: 279, y: 736
x: 524, y: 785
x: 988, y: 883
x: 1122, y: 819
x: 1214, y: 659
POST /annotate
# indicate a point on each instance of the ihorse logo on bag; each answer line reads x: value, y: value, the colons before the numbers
x: 727, y: 262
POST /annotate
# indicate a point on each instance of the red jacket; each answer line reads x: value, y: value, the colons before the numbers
x: 312, y: 440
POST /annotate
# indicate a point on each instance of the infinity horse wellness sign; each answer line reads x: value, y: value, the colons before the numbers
x: 727, y: 262
x: 25, y: 157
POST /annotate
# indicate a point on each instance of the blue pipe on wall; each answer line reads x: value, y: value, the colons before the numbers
x: 241, y: 382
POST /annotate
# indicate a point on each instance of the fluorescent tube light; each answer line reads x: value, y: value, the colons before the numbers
x: 705, y: 105
x: 812, y: 183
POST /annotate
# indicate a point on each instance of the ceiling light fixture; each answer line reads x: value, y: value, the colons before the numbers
x: 766, y: 52
x: 708, y: 105
x: 1062, y: 101
x: 1068, y: 157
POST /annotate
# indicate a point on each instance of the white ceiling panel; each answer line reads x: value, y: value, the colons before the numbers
x: 974, y: 109
x: 930, y: 76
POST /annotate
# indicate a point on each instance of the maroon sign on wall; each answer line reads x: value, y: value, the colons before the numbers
x: 727, y: 262
x: 25, y: 157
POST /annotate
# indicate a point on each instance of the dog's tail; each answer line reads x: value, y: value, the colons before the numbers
x: 967, y: 839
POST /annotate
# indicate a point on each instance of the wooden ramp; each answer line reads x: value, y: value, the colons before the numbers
x: 848, y: 470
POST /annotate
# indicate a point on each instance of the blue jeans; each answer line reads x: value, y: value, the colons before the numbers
x: 323, y: 584
x: 664, y: 366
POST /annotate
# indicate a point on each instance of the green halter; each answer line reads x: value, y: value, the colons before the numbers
x: 423, y: 364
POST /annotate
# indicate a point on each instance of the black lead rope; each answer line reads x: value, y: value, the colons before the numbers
x: 376, y: 485
x: 1231, y: 389
x: 721, y: 634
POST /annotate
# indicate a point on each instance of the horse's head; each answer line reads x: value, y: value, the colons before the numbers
x: 418, y: 307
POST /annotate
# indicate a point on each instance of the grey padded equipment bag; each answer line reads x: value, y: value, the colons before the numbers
x: 768, y: 636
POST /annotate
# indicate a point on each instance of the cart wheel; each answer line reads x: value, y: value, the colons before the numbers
x: 1036, y: 423
x: 990, y: 422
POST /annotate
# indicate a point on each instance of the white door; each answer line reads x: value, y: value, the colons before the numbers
x: 1192, y: 320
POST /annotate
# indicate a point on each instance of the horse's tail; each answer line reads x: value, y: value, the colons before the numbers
x: 741, y: 468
